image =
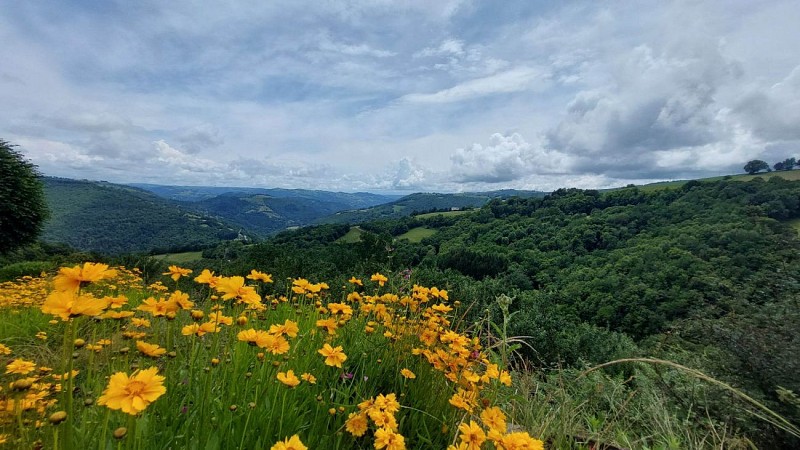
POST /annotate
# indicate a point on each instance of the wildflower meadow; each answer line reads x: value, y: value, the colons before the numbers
x: 93, y: 358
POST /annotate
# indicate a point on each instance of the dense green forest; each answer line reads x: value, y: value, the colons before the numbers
x: 423, y: 202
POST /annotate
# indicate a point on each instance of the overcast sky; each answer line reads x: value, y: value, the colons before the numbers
x: 424, y: 95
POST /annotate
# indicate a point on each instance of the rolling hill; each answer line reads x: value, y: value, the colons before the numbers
x: 111, y: 218
x: 423, y: 202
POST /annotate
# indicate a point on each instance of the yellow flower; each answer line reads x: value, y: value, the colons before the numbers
x: 4, y: 350
x: 520, y: 441
x: 20, y: 366
x: 408, y: 374
x: 381, y: 279
x: 152, y: 350
x: 181, y: 299
x: 255, y: 337
x: 71, y: 278
x: 292, y: 443
x: 278, y: 345
x: 505, y: 378
x: 176, y: 272
x: 494, y: 419
x: 311, y: 379
x: 463, y: 399
x: 140, y: 323
x: 288, y: 378
x: 330, y: 325
x: 207, y: 277
x: 66, y: 304
x: 233, y: 287
x: 472, y: 435
x: 133, y: 394
x: 334, y: 356
x: 288, y: 328
x: 260, y: 276
x: 356, y: 281
x: 356, y: 424
x: 388, y: 439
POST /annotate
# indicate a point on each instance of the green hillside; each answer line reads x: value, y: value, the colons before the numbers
x: 110, y: 218
x: 423, y: 203
x: 265, y: 214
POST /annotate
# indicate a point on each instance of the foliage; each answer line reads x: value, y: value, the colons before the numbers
x: 22, y: 204
x: 113, y: 219
x: 756, y: 166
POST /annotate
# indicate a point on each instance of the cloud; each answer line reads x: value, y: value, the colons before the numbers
x: 405, y: 174
x: 200, y: 137
x: 510, y: 81
x: 657, y: 103
x: 505, y: 159
x: 774, y: 112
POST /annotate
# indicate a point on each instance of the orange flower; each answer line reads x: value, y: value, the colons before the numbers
x: 408, y: 374
x: 388, y: 439
x: 133, y: 394
x: 311, y: 379
x: 288, y: 378
x: 381, y: 279
x: 151, y: 350
x: 20, y: 366
x: 334, y: 356
x: 292, y: 443
x: 66, y: 304
x: 176, y: 272
x: 207, y: 277
x: 71, y: 278
x: 260, y: 276
x: 472, y: 435
x: 356, y: 424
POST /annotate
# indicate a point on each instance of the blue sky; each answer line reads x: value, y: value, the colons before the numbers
x: 452, y: 95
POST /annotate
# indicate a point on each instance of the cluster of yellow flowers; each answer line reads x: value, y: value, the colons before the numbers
x: 417, y: 321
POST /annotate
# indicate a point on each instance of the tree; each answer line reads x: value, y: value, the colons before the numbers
x: 23, y: 208
x: 756, y: 166
x: 789, y: 163
x: 778, y: 166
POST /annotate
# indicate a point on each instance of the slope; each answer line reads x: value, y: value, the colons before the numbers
x: 111, y: 218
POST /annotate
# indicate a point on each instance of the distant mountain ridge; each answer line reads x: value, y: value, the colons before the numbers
x: 199, y: 193
x: 423, y: 202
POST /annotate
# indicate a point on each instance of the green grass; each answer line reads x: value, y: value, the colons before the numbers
x: 179, y: 258
x: 791, y: 175
x: 443, y: 213
x: 223, y: 389
x: 352, y: 236
x: 417, y: 234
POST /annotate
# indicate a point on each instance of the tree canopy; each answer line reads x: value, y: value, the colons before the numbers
x: 756, y: 166
x: 22, y: 203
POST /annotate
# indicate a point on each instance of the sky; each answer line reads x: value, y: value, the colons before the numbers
x: 397, y: 96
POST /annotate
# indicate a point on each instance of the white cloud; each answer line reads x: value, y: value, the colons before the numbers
x: 505, y: 159
x: 510, y: 81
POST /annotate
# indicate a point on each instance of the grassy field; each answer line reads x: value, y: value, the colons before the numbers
x: 417, y: 234
x: 443, y: 213
x: 180, y: 258
x: 352, y: 236
x: 791, y: 175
